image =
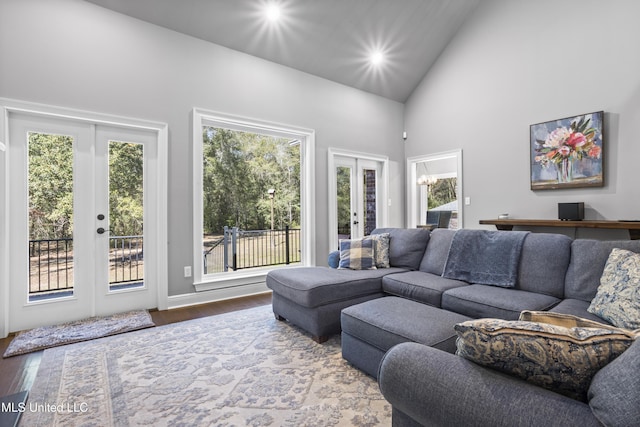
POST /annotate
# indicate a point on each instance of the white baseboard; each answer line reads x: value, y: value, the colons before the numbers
x: 195, y: 298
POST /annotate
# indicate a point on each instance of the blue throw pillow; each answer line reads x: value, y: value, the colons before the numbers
x: 334, y: 259
x: 357, y: 254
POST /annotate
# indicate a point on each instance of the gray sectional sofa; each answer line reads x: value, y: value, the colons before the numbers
x: 397, y: 324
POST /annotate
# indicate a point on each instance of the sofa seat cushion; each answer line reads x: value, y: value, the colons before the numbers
x: 316, y: 286
x: 576, y: 307
x: 419, y: 286
x: 490, y: 301
x: 384, y: 322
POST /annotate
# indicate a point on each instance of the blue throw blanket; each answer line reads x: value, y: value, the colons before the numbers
x: 485, y: 257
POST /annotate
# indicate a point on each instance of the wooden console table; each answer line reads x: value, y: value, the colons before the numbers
x: 633, y: 227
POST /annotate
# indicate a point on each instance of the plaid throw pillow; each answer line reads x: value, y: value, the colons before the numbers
x: 356, y: 254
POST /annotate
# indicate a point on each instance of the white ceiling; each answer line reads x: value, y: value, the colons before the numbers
x: 327, y: 38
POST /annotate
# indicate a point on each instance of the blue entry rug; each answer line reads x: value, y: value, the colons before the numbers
x: 79, y: 330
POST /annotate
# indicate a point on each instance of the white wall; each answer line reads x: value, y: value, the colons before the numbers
x: 74, y: 54
x: 520, y: 62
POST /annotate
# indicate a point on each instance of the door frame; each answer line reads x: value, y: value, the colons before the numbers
x: 382, y: 212
x: 8, y: 106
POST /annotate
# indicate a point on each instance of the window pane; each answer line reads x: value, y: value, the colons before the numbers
x: 344, y: 202
x: 126, y: 215
x: 369, y: 201
x: 50, y: 215
x: 251, y: 200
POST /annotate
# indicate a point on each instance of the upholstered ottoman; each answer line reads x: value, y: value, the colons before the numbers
x: 373, y: 327
x: 313, y: 297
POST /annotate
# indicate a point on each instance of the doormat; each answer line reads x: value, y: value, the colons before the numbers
x: 76, y: 331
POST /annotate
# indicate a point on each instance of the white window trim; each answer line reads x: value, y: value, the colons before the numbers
x: 382, y: 220
x: 306, y: 136
x: 15, y: 106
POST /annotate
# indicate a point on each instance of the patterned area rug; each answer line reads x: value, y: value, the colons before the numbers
x: 236, y: 369
x: 80, y: 330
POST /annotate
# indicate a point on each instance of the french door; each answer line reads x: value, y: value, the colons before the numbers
x: 81, y: 203
x: 358, y: 198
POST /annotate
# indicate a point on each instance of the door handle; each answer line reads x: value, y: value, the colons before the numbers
x: 355, y: 223
x: 101, y: 230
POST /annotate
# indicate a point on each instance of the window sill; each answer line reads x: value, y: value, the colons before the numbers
x: 234, y: 279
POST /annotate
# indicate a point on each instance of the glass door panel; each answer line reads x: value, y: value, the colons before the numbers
x: 50, y: 212
x: 345, y: 201
x: 370, y: 200
x: 126, y: 215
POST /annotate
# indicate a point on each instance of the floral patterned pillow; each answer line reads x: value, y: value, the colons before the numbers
x: 555, y: 351
x: 618, y: 297
x: 381, y: 249
x: 356, y: 254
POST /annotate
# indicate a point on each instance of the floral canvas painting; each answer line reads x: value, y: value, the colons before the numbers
x: 567, y: 153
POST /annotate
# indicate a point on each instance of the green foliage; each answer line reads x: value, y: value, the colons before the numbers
x: 50, y: 186
x: 343, y: 177
x: 239, y: 168
x: 126, y: 185
x: 442, y: 192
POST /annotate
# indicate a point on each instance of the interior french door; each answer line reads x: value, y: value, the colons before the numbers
x: 357, y: 196
x: 79, y: 206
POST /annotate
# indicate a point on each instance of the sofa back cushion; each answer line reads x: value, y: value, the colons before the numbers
x: 435, y: 257
x: 588, y: 258
x: 406, y: 246
x: 543, y: 263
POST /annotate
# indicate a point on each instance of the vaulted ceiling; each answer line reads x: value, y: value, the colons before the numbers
x: 333, y: 39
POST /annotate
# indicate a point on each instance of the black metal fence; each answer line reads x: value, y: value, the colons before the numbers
x: 51, y: 263
x: 240, y: 249
x: 126, y: 259
x: 51, y: 260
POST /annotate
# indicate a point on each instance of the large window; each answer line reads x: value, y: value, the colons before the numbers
x: 249, y: 195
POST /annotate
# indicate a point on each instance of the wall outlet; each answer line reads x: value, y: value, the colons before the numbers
x: 467, y: 201
x: 187, y: 271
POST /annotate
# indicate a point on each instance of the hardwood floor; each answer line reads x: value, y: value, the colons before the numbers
x: 18, y: 373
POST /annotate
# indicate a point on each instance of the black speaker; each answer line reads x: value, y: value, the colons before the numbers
x: 571, y: 211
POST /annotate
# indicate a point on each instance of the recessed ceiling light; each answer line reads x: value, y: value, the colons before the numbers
x: 377, y: 58
x: 273, y: 12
